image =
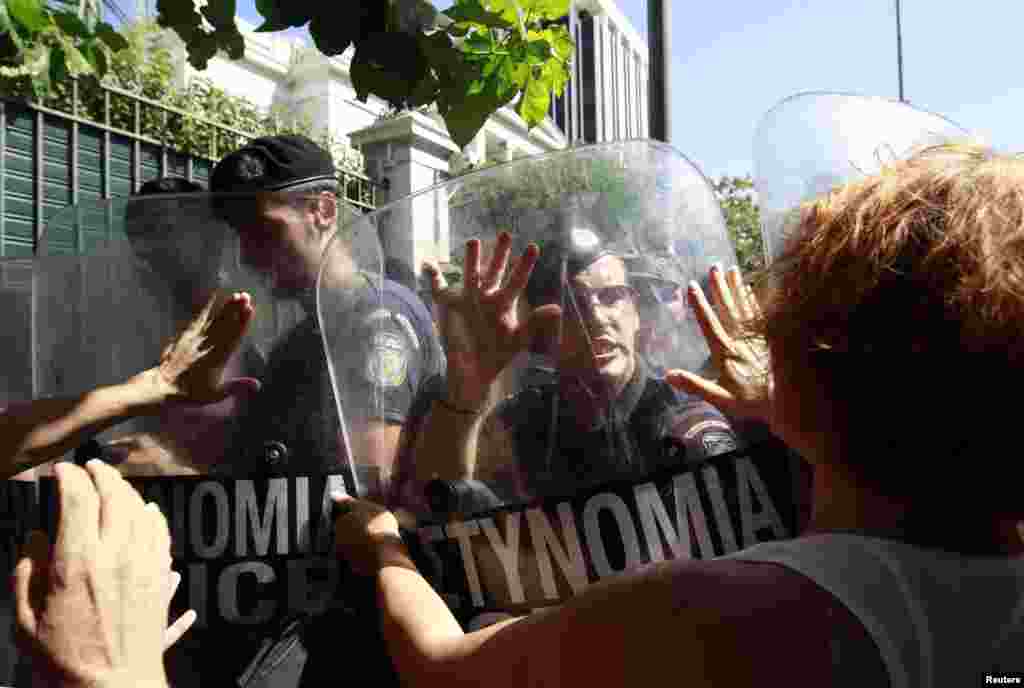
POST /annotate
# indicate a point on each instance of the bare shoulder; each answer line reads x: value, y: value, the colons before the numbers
x: 725, y: 622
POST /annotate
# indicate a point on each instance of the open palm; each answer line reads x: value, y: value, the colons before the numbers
x: 479, y: 319
x: 744, y: 386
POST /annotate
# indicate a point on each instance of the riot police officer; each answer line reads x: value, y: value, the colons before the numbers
x: 283, y: 233
x: 602, y: 417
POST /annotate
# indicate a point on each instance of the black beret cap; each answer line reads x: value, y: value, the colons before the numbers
x: 273, y: 163
x: 136, y: 211
x: 169, y: 185
x: 579, y: 247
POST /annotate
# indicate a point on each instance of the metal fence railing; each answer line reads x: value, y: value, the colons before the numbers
x: 52, y: 157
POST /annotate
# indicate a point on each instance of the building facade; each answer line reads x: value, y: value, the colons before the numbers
x: 605, y: 99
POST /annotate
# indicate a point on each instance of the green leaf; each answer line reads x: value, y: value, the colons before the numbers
x: 473, y: 12
x: 538, y: 52
x: 545, y: 9
x: 99, y: 61
x: 76, y: 62
x: 233, y: 42
x: 454, y: 72
x: 220, y: 13
x: 28, y: 13
x: 37, y: 66
x: 69, y: 23
x: 507, y: 10
x: 467, y: 116
x: 479, y: 41
x: 388, y: 65
x: 58, y: 68
x: 201, y: 49
x: 417, y: 16
x: 425, y: 92
x: 114, y: 40
x: 516, y: 73
x: 555, y: 75
x: 96, y: 57
x: 560, y: 41
x: 331, y: 37
x: 279, y: 12
x: 533, y: 105
x: 9, y: 34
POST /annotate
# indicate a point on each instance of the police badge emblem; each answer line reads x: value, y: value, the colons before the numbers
x: 718, y: 442
x: 388, y: 363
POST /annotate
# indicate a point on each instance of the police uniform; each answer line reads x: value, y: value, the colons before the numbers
x: 649, y: 427
x: 294, y: 421
x: 292, y: 427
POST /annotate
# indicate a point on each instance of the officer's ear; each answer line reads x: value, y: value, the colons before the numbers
x: 325, y: 211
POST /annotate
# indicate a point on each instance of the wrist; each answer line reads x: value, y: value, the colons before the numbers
x: 391, y: 551
x: 451, y: 407
x: 471, y: 398
x: 145, y: 393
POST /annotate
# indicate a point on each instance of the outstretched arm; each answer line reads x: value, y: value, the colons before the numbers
x: 189, y: 371
x: 699, y: 622
x: 482, y: 333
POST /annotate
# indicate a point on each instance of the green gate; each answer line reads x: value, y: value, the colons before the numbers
x: 50, y: 159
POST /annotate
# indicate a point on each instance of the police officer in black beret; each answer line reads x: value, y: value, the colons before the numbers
x: 280, y: 194
x: 283, y: 232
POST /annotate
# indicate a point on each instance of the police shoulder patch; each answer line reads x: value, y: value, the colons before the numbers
x: 387, y: 365
x: 715, y: 437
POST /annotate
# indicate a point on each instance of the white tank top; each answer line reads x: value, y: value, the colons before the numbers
x: 938, y: 618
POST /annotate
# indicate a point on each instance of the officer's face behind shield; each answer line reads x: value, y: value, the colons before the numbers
x: 185, y: 263
x: 600, y: 319
x: 282, y: 235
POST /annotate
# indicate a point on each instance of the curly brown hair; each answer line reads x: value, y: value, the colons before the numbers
x: 901, y: 298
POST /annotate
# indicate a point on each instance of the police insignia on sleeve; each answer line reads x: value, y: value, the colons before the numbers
x: 388, y: 363
x: 718, y: 442
x: 715, y: 437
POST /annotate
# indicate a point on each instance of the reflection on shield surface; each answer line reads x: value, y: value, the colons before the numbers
x: 812, y: 142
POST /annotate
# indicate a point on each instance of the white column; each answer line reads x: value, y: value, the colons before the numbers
x: 410, y: 150
x: 607, y: 82
x: 627, y: 90
x: 622, y: 49
x: 645, y: 102
x: 597, y: 56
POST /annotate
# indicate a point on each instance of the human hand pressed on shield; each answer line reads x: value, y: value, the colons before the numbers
x: 366, y: 536
x: 744, y: 386
x: 481, y: 327
x: 92, y: 609
x: 192, y: 366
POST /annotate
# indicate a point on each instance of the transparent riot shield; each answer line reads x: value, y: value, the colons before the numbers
x: 812, y: 142
x: 18, y: 502
x: 244, y: 478
x: 552, y: 452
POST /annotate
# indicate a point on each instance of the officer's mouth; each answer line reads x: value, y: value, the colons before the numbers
x: 605, y: 349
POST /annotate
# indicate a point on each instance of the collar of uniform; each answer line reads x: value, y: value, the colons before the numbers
x: 345, y: 301
x: 630, y: 397
x: 624, y: 404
